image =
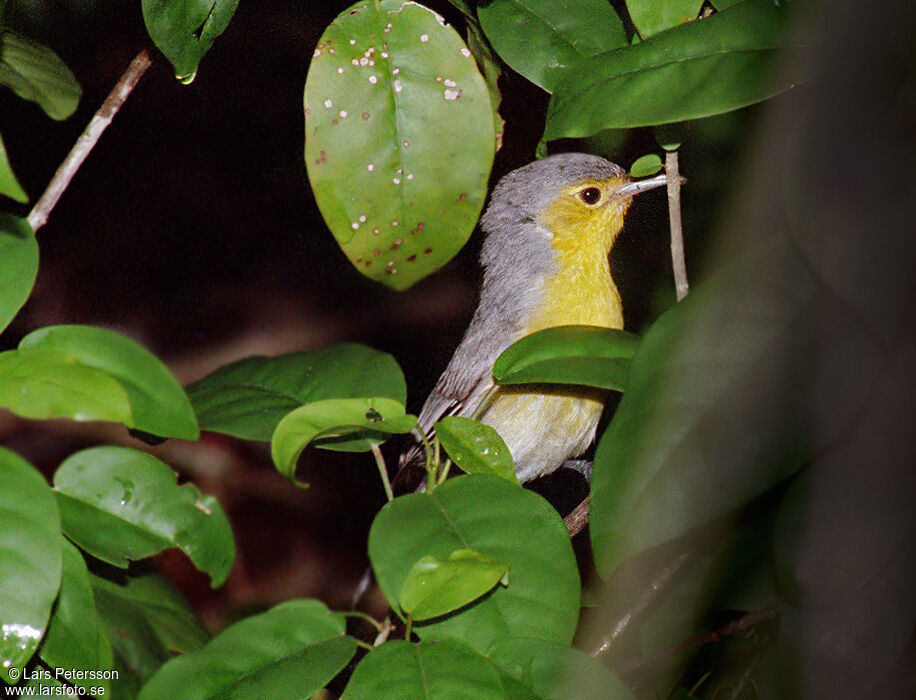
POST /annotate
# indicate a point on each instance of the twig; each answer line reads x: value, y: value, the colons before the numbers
x: 732, y: 629
x: 578, y: 519
x: 383, y: 471
x: 677, y: 232
x: 658, y: 585
x: 87, y: 140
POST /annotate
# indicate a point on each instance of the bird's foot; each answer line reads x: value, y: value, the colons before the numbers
x: 583, y: 466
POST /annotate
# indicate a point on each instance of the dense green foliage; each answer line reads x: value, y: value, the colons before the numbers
x: 700, y: 479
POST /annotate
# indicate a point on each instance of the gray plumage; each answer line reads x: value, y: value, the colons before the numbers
x: 517, y: 257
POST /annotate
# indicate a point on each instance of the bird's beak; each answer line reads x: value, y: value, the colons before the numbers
x: 635, y: 187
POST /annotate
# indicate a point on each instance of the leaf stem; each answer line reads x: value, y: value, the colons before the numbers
x: 382, y: 471
x: 88, y: 139
x: 677, y: 234
x: 409, y: 629
x: 360, y: 615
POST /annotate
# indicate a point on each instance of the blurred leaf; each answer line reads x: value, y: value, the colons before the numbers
x: 475, y: 447
x: 18, y: 265
x: 542, y: 38
x: 554, y: 671
x: 158, y: 404
x: 648, y: 164
x: 174, y: 623
x: 586, y: 355
x: 399, y: 139
x: 75, y: 639
x: 9, y: 185
x: 499, y: 520
x: 654, y: 16
x: 120, y: 504
x: 669, y: 136
x: 720, y: 399
x: 293, y: 650
x: 35, y: 73
x: 30, y: 560
x: 345, y: 425
x: 725, y: 4
x: 247, y: 399
x: 698, y: 69
x: 45, y: 383
x: 434, y: 587
x: 184, y: 30
x: 433, y: 670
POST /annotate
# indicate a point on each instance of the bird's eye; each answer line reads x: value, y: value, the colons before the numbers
x: 590, y: 195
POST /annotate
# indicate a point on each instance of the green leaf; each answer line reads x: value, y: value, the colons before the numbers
x: 121, y: 504
x: 718, y: 404
x: 586, y: 355
x: 648, y: 164
x: 501, y: 521
x: 18, y: 265
x: 146, y: 620
x: 346, y: 425
x: 475, y: 447
x: 35, y: 73
x: 706, y: 67
x: 30, y: 560
x: 654, y: 16
x: 248, y: 398
x: 184, y: 30
x: 9, y: 185
x: 491, y: 69
x: 45, y: 383
x: 294, y: 649
x: 158, y: 404
x: 75, y: 638
x: 433, y: 670
x: 174, y: 623
x: 434, y: 587
x: 399, y: 139
x: 542, y: 38
x: 556, y: 671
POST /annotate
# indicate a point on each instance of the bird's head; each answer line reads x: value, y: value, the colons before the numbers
x: 563, y: 204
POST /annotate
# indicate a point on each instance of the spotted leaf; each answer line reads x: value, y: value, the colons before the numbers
x: 399, y: 139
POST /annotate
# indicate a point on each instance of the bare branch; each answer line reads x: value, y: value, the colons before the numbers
x: 677, y: 233
x: 578, y: 519
x: 87, y: 140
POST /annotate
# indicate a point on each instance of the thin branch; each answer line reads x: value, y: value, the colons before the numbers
x: 677, y: 232
x: 731, y: 629
x: 87, y: 140
x: 382, y: 471
x: 578, y: 519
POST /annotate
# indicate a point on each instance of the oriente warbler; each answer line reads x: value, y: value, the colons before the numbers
x: 549, y: 230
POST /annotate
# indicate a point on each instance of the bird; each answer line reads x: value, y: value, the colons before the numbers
x: 548, y: 233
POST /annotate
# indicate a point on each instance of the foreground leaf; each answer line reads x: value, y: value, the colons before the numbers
x: 501, y: 521
x: 121, y: 505
x: 9, y: 185
x: 248, y: 398
x: 585, y: 355
x: 541, y: 38
x: 399, y: 139
x: 30, y: 560
x: 698, y: 69
x: 556, y: 671
x: 45, y: 383
x: 184, y: 30
x: 434, y: 670
x: 35, y: 73
x: 18, y: 265
x: 158, y: 404
x: 294, y: 649
x: 346, y: 425
x: 75, y: 638
x: 475, y: 447
x: 434, y: 587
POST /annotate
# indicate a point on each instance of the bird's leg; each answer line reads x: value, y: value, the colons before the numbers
x: 583, y: 466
